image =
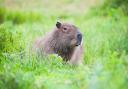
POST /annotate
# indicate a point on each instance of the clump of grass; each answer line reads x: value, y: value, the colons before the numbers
x: 11, y: 40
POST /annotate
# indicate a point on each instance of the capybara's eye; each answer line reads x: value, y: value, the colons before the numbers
x: 65, y: 28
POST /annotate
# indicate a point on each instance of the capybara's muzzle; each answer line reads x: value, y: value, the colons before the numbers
x: 79, y: 39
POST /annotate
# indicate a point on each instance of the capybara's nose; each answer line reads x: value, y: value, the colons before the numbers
x: 79, y: 39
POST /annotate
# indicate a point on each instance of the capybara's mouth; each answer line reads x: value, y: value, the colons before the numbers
x: 78, y: 44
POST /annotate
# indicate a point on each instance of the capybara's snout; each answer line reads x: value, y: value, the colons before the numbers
x: 79, y: 38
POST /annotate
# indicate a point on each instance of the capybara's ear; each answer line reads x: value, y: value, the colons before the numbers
x: 58, y: 24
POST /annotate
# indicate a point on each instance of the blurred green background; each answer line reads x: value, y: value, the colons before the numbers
x: 104, y: 24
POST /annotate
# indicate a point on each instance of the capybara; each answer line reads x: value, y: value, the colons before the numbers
x: 64, y: 40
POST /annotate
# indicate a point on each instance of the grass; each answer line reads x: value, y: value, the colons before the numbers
x: 105, y: 61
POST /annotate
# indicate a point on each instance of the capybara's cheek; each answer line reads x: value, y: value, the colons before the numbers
x: 73, y: 42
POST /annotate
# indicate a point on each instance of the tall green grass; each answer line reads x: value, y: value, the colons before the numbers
x: 105, y: 62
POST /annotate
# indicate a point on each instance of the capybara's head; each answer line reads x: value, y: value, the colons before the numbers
x: 68, y: 35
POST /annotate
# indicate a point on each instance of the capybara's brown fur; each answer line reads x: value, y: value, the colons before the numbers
x: 65, y: 40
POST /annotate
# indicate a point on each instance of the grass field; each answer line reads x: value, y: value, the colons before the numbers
x: 105, y: 35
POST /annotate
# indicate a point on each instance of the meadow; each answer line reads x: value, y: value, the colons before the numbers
x: 105, y: 38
